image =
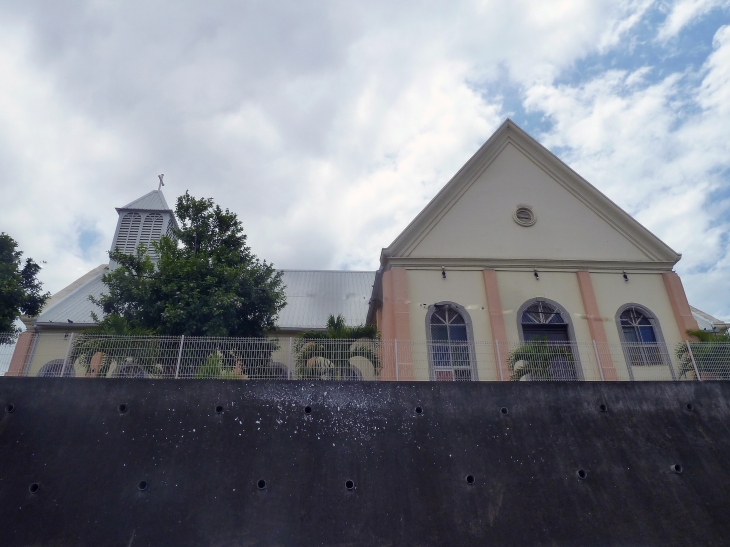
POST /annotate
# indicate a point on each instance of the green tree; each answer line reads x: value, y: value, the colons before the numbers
x: 20, y: 289
x: 327, y: 354
x: 206, y: 282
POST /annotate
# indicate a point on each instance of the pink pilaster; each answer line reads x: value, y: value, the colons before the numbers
x: 496, y: 322
x: 395, y: 322
x: 595, y: 325
x: 20, y: 354
x: 680, y: 305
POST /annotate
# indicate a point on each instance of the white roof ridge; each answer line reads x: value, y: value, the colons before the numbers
x: 151, y: 201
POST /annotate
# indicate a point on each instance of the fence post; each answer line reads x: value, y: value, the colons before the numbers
x: 68, y: 350
x: 396, y: 359
x: 691, y: 356
x: 598, y: 360
x: 499, y: 361
x: 179, y: 357
x: 288, y: 374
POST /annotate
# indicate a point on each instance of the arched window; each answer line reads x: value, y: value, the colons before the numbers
x: 547, y: 352
x: 54, y: 368
x: 450, y: 354
x: 641, y: 337
x: 541, y: 320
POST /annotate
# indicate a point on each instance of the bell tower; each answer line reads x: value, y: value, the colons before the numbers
x: 144, y: 220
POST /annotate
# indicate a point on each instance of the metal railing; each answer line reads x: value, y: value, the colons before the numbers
x: 101, y: 356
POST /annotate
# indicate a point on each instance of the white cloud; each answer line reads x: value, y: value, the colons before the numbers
x: 53, y: 163
x: 327, y: 126
x: 659, y: 150
x: 685, y: 12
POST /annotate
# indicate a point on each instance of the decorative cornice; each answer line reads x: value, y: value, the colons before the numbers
x: 519, y: 264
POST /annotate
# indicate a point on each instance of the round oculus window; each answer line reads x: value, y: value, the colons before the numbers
x: 524, y: 216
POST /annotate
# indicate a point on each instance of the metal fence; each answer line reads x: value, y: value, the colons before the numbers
x: 91, y: 355
x: 7, y: 347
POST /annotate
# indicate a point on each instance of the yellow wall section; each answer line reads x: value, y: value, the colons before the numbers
x: 466, y: 288
x: 612, y: 292
x: 515, y: 288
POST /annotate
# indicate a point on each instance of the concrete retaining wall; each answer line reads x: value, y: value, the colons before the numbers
x: 409, y: 470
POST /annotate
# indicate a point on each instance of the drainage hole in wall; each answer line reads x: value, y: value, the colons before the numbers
x: 470, y: 479
x: 122, y: 408
x: 504, y: 410
x: 142, y: 485
x: 9, y: 408
x: 261, y: 484
x: 677, y: 468
x: 349, y: 485
x: 307, y: 409
x: 603, y: 407
x: 582, y: 474
x: 219, y: 409
x: 690, y: 406
x: 419, y: 410
x: 33, y: 488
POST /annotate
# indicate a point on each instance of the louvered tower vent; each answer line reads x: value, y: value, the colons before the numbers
x: 144, y: 220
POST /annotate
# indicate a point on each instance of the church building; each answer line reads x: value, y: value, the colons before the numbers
x: 516, y: 247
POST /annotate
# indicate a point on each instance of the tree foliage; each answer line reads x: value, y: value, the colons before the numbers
x: 336, y: 329
x: 20, y: 289
x: 541, y: 360
x: 206, y: 282
x: 329, y: 354
x: 711, y: 356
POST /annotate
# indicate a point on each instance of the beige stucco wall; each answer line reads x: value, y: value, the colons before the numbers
x: 480, y: 223
x: 463, y: 287
x: 466, y: 287
x: 648, y: 290
x: 49, y: 346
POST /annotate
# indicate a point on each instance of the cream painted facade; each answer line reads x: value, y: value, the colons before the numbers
x: 579, y: 251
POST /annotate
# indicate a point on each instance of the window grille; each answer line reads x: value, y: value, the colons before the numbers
x: 542, y: 313
x: 450, y: 345
x: 548, y: 350
x: 642, y: 346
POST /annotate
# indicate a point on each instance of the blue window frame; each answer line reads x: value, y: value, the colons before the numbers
x: 450, y: 352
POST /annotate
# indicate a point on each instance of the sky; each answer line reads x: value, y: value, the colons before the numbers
x: 327, y: 126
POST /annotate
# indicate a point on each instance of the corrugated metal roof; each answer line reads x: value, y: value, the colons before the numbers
x: 706, y: 321
x: 153, y: 201
x: 75, y: 305
x: 311, y: 297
